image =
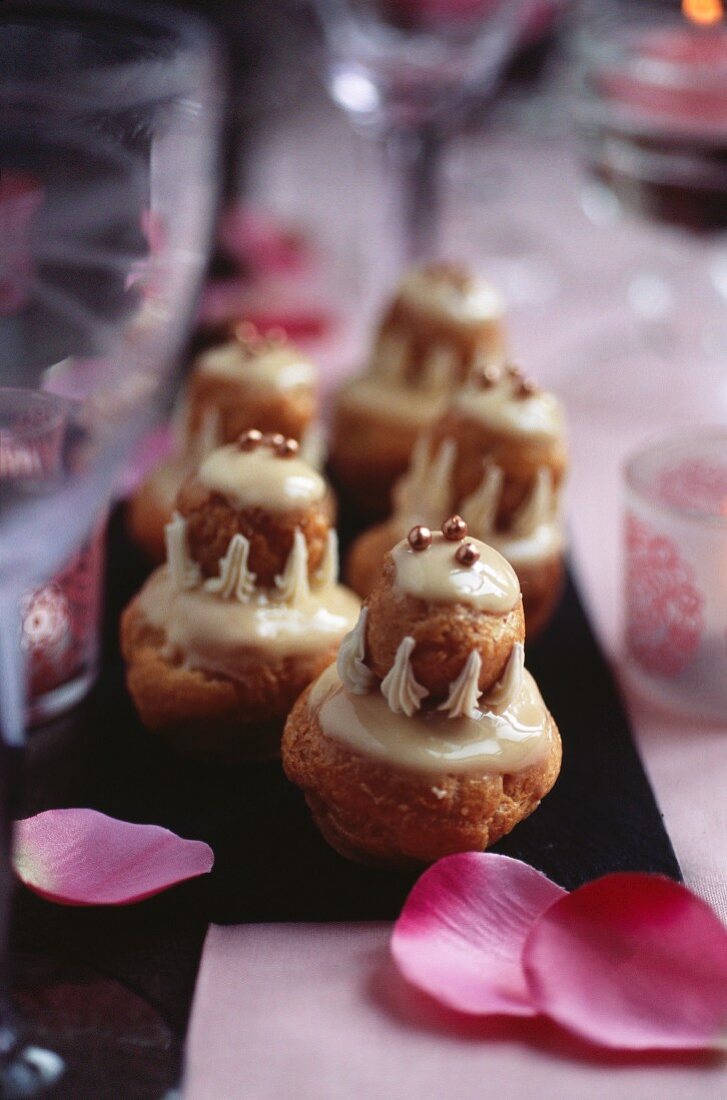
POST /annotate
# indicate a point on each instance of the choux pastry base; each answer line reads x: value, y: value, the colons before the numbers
x: 211, y: 717
x: 377, y: 816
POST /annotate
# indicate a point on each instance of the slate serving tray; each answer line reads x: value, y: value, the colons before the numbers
x: 137, y: 966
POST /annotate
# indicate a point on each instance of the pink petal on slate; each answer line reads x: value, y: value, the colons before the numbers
x: 81, y: 857
x: 632, y: 961
x: 462, y: 929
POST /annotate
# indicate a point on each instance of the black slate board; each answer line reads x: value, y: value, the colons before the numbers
x: 271, y: 863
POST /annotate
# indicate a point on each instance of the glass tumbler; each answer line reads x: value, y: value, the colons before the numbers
x: 675, y: 577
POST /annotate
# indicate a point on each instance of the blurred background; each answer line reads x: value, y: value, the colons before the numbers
x: 535, y: 150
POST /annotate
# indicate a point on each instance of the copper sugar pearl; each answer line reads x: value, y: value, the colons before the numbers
x: 250, y: 441
x: 525, y: 388
x: 467, y: 554
x: 454, y: 529
x: 488, y: 376
x: 420, y: 538
x: 274, y: 440
x: 287, y: 449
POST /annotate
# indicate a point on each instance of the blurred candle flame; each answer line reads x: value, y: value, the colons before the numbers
x: 704, y: 12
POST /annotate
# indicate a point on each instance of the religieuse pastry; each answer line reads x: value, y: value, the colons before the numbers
x: 248, y: 381
x: 429, y: 736
x: 498, y: 457
x: 247, y: 611
x: 441, y: 323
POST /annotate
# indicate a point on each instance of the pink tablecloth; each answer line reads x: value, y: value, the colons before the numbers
x: 317, y: 1011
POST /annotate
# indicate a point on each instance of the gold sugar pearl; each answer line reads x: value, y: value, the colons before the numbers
x: 454, y: 529
x: 287, y: 449
x: 467, y: 554
x: 250, y: 440
x: 420, y: 538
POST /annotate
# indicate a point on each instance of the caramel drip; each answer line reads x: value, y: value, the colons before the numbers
x: 260, y: 478
x: 431, y: 743
x: 261, y: 366
x: 462, y: 298
x: 233, y: 638
x: 435, y: 575
x: 500, y: 409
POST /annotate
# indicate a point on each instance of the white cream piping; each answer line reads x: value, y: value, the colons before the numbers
x: 464, y: 692
x: 183, y: 571
x: 234, y: 578
x: 399, y: 687
x: 510, y: 684
x: 479, y: 509
x: 425, y: 492
x: 538, y: 507
x: 327, y: 573
x: 292, y: 584
x: 355, y: 674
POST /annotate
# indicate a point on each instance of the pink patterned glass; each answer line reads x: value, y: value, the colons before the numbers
x: 60, y: 632
x: 675, y: 572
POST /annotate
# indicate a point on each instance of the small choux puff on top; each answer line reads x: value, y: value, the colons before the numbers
x: 498, y: 457
x: 442, y: 322
x: 247, y: 611
x: 249, y: 380
x: 429, y: 736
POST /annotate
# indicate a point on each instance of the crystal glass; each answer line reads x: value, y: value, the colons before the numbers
x: 108, y: 148
x: 651, y: 103
x: 407, y: 72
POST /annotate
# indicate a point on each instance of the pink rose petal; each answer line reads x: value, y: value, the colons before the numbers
x: 81, y: 857
x: 461, y: 932
x: 632, y: 961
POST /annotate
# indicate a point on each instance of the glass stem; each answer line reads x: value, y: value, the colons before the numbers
x: 12, y: 706
x: 413, y: 157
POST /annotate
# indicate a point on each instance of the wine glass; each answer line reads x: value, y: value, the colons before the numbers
x: 108, y: 162
x: 651, y: 101
x: 407, y: 71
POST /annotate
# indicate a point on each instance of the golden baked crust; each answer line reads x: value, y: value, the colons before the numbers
x: 366, y: 556
x: 445, y: 635
x: 146, y: 517
x: 520, y: 457
x: 541, y: 582
x: 207, y: 715
x: 212, y: 521
x: 367, y: 454
x: 240, y: 407
x: 369, y: 813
